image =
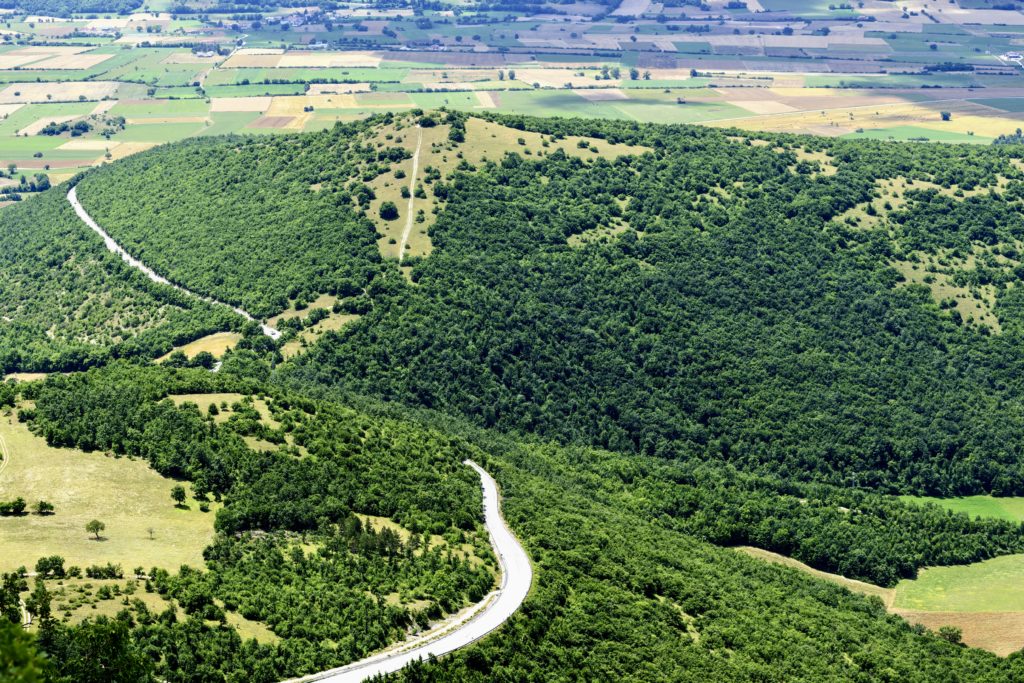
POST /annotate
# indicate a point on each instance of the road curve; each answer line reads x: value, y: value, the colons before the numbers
x: 472, y: 624
x: 149, y: 272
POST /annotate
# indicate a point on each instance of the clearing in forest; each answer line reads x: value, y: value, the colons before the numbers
x: 985, y: 600
x: 126, y: 495
x: 216, y: 344
x: 438, y: 158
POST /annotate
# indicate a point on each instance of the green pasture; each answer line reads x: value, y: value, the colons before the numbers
x: 1011, y: 509
x: 917, y: 134
x: 995, y: 585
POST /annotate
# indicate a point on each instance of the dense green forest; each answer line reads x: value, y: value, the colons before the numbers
x: 65, y: 8
x: 739, y: 351
x: 244, y: 222
x: 67, y: 304
x: 737, y: 317
x: 610, y: 569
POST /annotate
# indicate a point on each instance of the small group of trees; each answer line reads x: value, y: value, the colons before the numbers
x: 16, y: 507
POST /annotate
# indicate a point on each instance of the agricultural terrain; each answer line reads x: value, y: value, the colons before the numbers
x: 84, y: 88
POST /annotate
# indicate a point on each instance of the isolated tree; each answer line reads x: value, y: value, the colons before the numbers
x: 178, y: 494
x: 634, y: 73
x: 388, y: 211
x: 95, y: 527
x: 946, y: 116
x: 151, y: 531
x: 43, y: 508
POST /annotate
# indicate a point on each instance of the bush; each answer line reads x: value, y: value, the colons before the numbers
x: 388, y: 211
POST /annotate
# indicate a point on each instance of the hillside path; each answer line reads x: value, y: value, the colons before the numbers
x: 149, y: 272
x: 412, y: 194
x: 469, y: 625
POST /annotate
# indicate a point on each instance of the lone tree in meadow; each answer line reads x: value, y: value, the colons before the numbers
x: 388, y: 211
x: 178, y: 495
x: 95, y: 527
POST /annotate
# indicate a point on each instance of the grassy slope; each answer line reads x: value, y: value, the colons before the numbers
x: 126, y: 495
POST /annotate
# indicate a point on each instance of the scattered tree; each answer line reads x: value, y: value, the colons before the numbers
x: 95, y: 527
x: 178, y: 495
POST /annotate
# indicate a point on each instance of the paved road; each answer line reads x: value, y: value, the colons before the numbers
x: 472, y: 625
x: 149, y: 272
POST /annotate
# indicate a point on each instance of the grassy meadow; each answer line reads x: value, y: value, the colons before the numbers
x: 124, y: 494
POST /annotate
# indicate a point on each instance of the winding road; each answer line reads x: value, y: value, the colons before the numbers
x: 468, y: 626
x: 149, y: 272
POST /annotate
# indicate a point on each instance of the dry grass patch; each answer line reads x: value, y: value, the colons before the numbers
x: 127, y: 495
x: 57, y: 92
x: 307, y: 337
x: 484, y: 141
x: 25, y: 376
x: 216, y: 344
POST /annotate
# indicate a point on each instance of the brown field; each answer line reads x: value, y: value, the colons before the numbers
x: 557, y: 78
x: 81, y: 61
x: 273, y: 122
x: 154, y: 120
x: 603, y: 95
x: 1001, y: 633
x: 126, y: 149
x: 338, y: 88
x: 267, y: 59
x: 89, y: 145
x: 220, y: 104
x: 486, y: 99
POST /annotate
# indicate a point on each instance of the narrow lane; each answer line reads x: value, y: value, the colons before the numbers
x: 149, y: 272
x: 410, y: 207
x: 472, y: 624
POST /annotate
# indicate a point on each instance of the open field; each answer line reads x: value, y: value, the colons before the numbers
x: 1011, y: 509
x: 995, y: 585
x: 985, y: 600
x: 216, y: 343
x: 284, y: 107
x: 125, y: 494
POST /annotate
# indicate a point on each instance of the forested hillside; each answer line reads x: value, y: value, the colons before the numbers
x: 289, y: 532
x: 66, y: 303
x: 717, y: 341
x: 742, y: 313
x: 244, y: 221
